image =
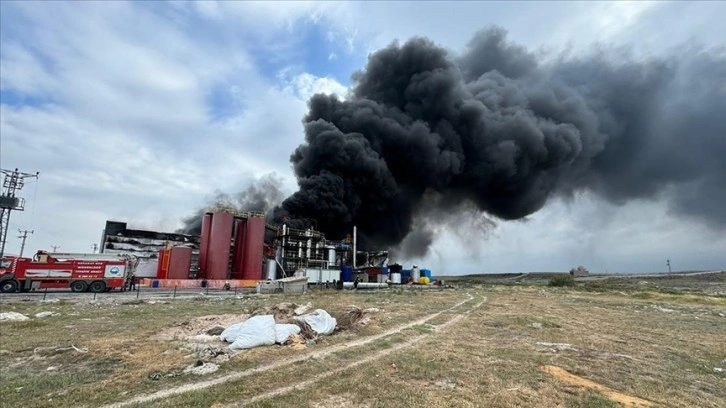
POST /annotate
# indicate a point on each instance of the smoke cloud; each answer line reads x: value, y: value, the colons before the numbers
x: 498, y: 128
x: 262, y: 195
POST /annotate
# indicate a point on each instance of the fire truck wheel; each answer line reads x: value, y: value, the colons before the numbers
x: 98, y: 286
x: 79, y: 286
x: 9, y: 286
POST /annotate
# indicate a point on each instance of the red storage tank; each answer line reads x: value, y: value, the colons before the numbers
x: 162, y: 267
x: 253, y: 246
x: 220, y: 237
x: 180, y: 263
x: 239, y: 242
x: 204, y: 244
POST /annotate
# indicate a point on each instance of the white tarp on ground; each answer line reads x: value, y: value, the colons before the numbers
x: 13, y: 316
x: 255, y: 331
x: 320, y: 321
x: 284, y: 331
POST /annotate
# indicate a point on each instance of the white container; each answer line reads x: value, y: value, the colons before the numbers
x: 329, y: 275
x: 331, y: 256
x: 396, y: 277
x: 270, y: 269
x: 313, y: 275
x: 416, y: 274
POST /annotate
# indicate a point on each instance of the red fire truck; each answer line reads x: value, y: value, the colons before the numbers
x: 79, y: 272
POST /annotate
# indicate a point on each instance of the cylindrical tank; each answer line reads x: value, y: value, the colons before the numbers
x: 240, y: 228
x: 415, y: 273
x: 346, y: 274
x: 395, y: 277
x: 270, y: 269
x: 220, y: 239
x: 331, y: 256
x: 426, y: 273
x: 204, y: 244
x: 253, y: 246
x: 365, y: 285
x: 180, y: 262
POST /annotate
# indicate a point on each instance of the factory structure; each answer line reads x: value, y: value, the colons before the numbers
x: 240, y: 249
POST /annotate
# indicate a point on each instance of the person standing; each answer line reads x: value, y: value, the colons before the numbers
x: 133, y: 281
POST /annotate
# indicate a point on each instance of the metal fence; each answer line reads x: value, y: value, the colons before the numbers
x: 140, y: 293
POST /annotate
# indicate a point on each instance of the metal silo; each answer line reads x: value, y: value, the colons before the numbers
x: 204, y: 245
x: 219, y: 246
x: 253, y: 247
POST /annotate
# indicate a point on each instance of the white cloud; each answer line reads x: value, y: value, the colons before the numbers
x: 306, y: 85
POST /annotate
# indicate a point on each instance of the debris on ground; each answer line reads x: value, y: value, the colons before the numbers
x: 302, y: 309
x: 49, y: 351
x: 45, y: 314
x: 282, y: 312
x: 190, y: 330
x: 557, y: 347
x: 211, y: 352
x: 319, y: 321
x: 718, y: 369
x: 255, y: 331
x: 201, y: 368
x: 353, y: 318
x: 215, y: 331
x: 537, y: 326
x: 662, y: 309
x: 13, y: 316
x: 297, y: 342
x: 284, y: 331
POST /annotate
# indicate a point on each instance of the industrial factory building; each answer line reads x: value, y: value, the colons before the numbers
x: 146, y: 246
x: 241, y: 249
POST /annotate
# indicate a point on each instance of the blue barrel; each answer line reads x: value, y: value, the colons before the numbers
x: 155, y: 284
x: 405, y: 274
x: 426, y: 273
x: 384, y: 270
x: 346, y: 274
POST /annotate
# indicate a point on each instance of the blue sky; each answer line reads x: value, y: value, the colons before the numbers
x: 140, y: 111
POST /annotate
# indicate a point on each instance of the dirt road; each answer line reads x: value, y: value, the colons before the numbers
x: 316, y: 354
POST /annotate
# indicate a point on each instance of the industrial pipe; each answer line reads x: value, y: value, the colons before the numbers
x: 365, y: 285
x: 355, y: 245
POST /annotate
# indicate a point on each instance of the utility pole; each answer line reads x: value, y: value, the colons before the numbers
x: 668, y: 262
x: 12, y: 183
x: 23, y: 237
x: 55, y: 247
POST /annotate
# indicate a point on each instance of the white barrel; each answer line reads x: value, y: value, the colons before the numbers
x: 270, y: 269
x: 331, y: 256
x: 416, y: 274
x: 396, y: 277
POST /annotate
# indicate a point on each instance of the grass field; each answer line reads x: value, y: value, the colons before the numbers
x: 499, y: 344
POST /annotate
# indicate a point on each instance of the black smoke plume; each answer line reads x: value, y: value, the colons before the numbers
x: 498, y: 128
x: 261, y: 195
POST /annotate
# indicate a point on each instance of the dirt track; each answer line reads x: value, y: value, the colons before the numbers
x: 316, y: 354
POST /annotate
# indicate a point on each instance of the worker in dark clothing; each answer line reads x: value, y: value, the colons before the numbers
x: 132, y: 282
x: 355, y: 282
